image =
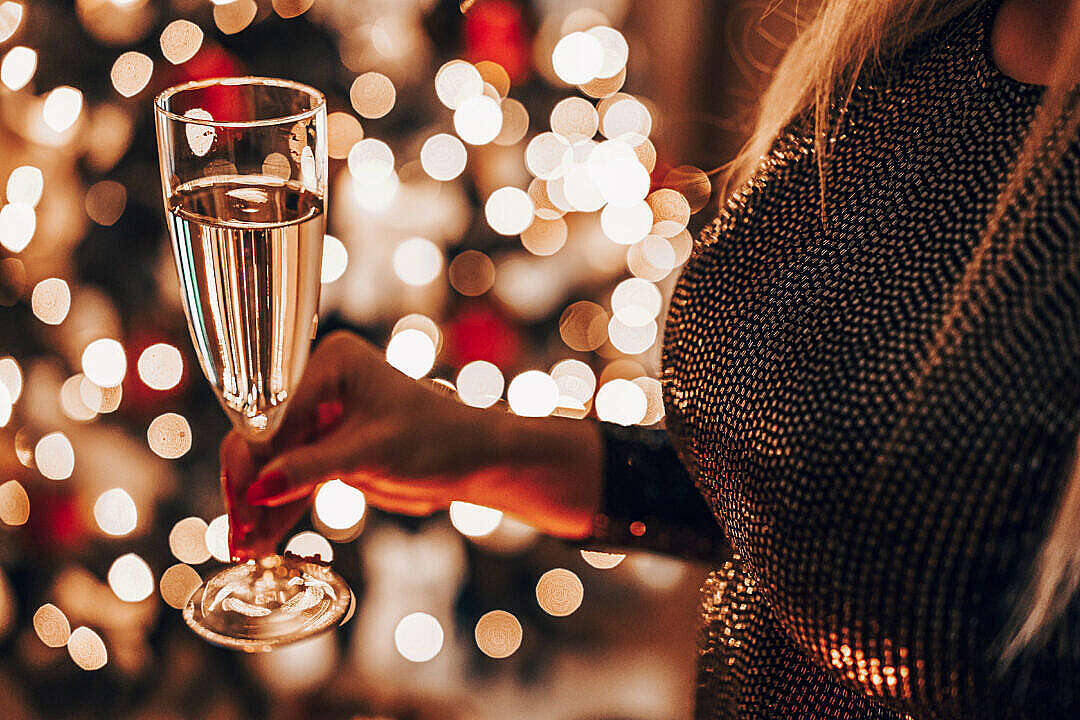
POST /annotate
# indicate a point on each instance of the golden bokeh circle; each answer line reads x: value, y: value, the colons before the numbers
x: 583, y: 326
x: 51, y: 626
x: 472, y: 273
x: 559, y: 592
x: 178, y: 583
x: 498, y: 634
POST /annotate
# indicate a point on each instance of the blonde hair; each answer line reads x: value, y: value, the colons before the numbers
x: 820, y: 71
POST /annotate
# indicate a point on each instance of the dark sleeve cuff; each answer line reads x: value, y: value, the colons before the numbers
x: 650, y: 501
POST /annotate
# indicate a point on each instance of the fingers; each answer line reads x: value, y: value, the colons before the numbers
x: 293, y: 474
x: 391, y: 503
x: 237, y: 472
x: 253, y: 531
x: 318, y: 403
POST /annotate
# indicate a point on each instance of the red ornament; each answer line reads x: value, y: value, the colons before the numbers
x: 495, y: 30
x: 480, y: 333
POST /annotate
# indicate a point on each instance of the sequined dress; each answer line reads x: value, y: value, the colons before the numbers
x: 850, y: 588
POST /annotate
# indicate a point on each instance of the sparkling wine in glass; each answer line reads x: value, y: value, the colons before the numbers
x: 244, y: 177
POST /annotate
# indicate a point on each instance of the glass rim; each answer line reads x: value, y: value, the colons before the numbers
x: 319, y: 101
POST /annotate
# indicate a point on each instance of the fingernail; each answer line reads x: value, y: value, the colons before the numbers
x: 328, y: 414
x: 266, y: 488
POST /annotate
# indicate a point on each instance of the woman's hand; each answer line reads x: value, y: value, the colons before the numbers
x: 410, y: 448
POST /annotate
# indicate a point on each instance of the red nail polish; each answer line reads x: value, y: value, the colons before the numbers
x: 267, y: 487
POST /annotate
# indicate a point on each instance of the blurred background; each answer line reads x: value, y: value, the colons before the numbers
x: 485, y: 227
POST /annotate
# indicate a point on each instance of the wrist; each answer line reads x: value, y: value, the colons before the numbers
x: 547, y: 471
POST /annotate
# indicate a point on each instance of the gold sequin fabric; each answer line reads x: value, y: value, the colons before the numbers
x: 861, y: 588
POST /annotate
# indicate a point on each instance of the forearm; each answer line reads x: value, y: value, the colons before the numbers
x: 548, y: 471
x: 595, y: 482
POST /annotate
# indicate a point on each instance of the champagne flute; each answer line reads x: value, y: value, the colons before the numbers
x: 244, y: 177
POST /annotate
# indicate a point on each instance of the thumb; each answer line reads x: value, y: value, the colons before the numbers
x: 293, y: 474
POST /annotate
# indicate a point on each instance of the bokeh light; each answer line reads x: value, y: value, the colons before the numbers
x: 654, y: 395
x: 583, y: 326
x: 631, y: 340
x: 217, y: 538
x: 289, y: 9
x: 471, y: 273
x: 6, y: 406
x: 545, y: 237
x: 339, y: 506
x: 602, y: 560
x: 104, y: 362
x: 576, y: 382
x: 51, y: 626
x: 626, y: 225
x: 621, y: 402
x: 161, y: 366
x: 578, y: 58
x: 496, y: 75
x: 130, y: 578
x: 616, y: 50
x: 62, y: 108
x: 575, y: 119
x: 635, y: 302
x: 372, y: 95
x: 412, y: 352
x: 456, y: 82
x: 371, y: 161
x: 11, y: 377
x: 417, y: 261
x: 478, y: 120
x: 309, y: 544
x: 548, y: 156
x: 515, y: 122
x: 105, y: 202
x: 11, y: 15
x: 71, y: 401
x: 232, y: 17
x: 169, y: 435
x: 543, y: 206
x: 342, y: 132
x: 187, y: 541
x: 480, y: 384
x: 335, y: 259
x: 200, y: 136
x: 474, y: 520
x: 99, y: 399
x: 178, y: 583
x: 87, y: 649
x: 51, y: 301
x: 18, y: 67
x: 533, y: 394
x: 14, y: 503
x: 509, y: 211
x: 581, y: 191
x: 625, y: 115
x: 131, y: 73
x: 115, y: 512
x: 443, y: 157
x: 559, y: 592
x: 692, y: 183
x: 54, y: 456
x: 25, y: 185
x: 671, y: 212
x: 180, y: 40
x: 498, y: 634
x: 17, y: 225
x: 418, y: 637
x: 421, y: 322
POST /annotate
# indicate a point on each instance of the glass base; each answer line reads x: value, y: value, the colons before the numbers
x: 260, y: 604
